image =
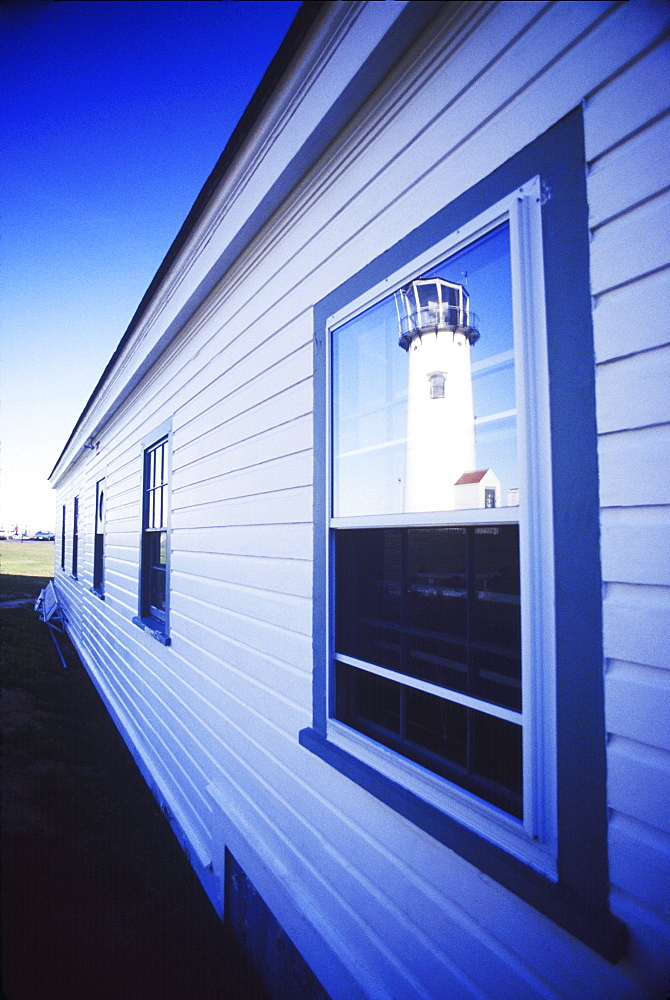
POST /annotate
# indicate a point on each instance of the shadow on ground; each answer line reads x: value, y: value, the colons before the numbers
x: 98, y: 900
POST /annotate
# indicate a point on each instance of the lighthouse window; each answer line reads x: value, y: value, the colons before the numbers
x: 437, y: 386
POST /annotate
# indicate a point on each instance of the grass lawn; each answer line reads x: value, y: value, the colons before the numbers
x: 97, y: 899
x: 25, y: 567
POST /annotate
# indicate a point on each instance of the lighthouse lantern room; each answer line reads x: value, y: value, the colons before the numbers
x: 434, y: 304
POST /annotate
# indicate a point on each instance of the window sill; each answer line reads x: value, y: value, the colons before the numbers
x: 595, y: 926
x: 154, y: 628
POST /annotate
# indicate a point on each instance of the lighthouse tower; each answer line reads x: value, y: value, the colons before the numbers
x: 437, y: 330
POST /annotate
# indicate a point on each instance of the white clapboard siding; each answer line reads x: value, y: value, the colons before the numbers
x: 631, y: 173
x: 638, y: 782
x: 637, y: 703
x: 637, y: 624
x: 632, y: 245
x: 634, y: 468
x: 632, y: 540
x: 634, y: 392
x: 617, y: 329
x: 640, y: 862
x: 282, y: 610
x: 274, y: 576
x: 616, y: 111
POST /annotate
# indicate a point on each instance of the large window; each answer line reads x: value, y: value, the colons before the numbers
x: 458, y: 649
x: 154, y: 558
x: 436, y: 605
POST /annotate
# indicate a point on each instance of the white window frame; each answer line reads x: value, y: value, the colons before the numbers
x: 533, y: 840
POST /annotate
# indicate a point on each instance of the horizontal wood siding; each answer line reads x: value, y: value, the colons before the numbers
x: 627, y: 141
x: 378, y: 908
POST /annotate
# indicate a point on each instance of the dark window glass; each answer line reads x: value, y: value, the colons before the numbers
x: 99, y: 539
x: 62, y: 540
x: 154, y: 540
x: 369, y: 596
x: 75, y: 536
x: 479, y: 752
x: 439, y: 604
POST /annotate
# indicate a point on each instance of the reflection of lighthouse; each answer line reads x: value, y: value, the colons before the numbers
x: 437, y: 331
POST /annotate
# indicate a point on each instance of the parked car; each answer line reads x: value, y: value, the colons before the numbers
x: 43, y: 536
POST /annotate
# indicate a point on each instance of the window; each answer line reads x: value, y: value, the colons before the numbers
x: 62, y: 538
x: 427, y: 637
x: 154, y: 558
x: 99, y: 539
x: 458, y: 653
x: 437, y: 385
x: 75, y: 536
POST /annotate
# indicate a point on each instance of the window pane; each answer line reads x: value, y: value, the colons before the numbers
x: 496, y: 620
x: 438, y: 604
x: 429, y: 423
x: 496, y: 757
x: 439, y: 726
x: 157, y: 557
x: 367, y: 702
x: 369, y: 574
x: 478, y: 752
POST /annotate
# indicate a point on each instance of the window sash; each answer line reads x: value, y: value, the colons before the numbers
x: 75, y: 537
x: 154, y: 547
x: 537, y: 841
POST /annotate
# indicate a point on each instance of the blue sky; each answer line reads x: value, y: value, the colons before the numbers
x: 112, y: 115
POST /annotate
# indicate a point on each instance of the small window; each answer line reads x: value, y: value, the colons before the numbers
x: 75, y: 537
x: 62, y: 538
x: 99, y: 539
x: 154, y: 557
x: 437, y: 385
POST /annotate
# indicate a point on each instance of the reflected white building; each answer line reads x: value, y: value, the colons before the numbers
x: 438, y: 330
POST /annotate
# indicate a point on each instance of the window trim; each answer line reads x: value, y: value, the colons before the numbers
x: 577, y: 897
x: 157, y: 627
x: 99, y: 523
x: 75, y: 538
x: 534, y: 839
x: 62, y: 536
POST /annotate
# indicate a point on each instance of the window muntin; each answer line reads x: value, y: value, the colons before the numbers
x: 476, y: 687
x: 155, y: 533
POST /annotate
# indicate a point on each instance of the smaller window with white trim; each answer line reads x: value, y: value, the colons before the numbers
x: 99, y: 539
x: 155, y: 550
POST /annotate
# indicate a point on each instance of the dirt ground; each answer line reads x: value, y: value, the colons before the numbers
x: 98, y: 900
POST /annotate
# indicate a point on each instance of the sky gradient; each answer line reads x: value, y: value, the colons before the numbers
x: 112, y: 114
